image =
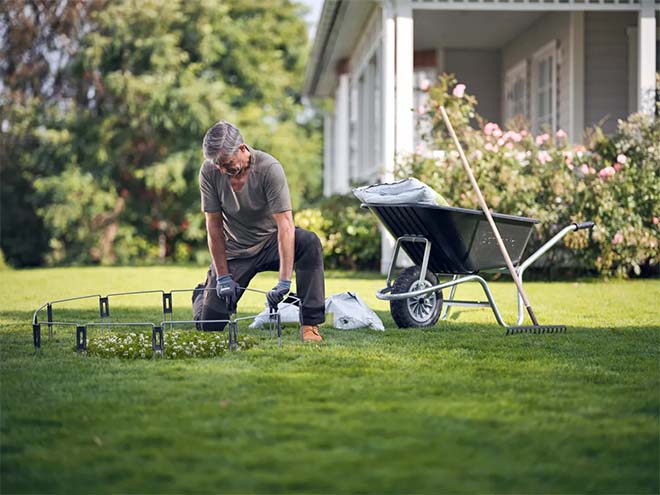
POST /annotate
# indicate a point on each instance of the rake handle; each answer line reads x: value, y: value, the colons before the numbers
x: 489, y: 217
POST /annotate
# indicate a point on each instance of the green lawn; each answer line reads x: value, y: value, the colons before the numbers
x: 459, y: 408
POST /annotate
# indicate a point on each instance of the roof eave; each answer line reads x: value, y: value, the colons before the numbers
x: 320, y: 48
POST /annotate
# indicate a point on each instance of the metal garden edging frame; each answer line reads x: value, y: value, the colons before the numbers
x: 157, y: 329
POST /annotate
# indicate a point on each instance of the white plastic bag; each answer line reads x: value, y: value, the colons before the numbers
x: 350, y: 312
x: 289, y: 313
x: 403, y: 191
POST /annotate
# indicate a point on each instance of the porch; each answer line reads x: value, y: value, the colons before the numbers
x: 561, y: 65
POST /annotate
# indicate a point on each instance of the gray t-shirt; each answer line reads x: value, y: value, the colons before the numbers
x: 248, y: 213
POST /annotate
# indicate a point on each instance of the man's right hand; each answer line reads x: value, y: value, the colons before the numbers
x: 227, y: 289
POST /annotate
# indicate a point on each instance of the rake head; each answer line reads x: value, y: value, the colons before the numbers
x: 536, y: 329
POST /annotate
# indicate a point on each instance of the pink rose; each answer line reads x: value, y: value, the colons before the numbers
x: 584, y: 169
x: 523, y: 133
x: 655, y: 220
x: 488, y: 146
x: 509, y: 145
x: 421, y: 110
x: 607, y: 172
x: 459, y: 90
x: 621, y: 158
x: 501, y: 141
x: 490, y: 127
x: 618, y: 238
x: 544, y: 157
x: 561, y: 134
x: 542, y: 138
x: 497, y: 132
x: 617, y: 166
x: 424, y: 84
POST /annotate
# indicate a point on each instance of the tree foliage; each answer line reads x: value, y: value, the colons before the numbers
x: 103, y: 144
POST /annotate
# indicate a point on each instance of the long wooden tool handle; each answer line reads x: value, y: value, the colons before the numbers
x: 484, y: 207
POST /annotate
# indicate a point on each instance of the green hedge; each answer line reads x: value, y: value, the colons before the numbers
x: 349, y: 234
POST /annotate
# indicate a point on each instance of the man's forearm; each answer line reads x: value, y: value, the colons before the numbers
x: 216, y: 242
x: 285, y: 243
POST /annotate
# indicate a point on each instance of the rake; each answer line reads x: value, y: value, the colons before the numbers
x: 535, y: 327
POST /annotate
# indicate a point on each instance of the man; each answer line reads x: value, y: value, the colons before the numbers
x: 249, y: 224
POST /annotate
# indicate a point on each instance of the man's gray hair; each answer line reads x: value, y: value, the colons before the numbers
x: 221, y: 141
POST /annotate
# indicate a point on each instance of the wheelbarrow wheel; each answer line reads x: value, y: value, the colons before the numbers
x: 420, y: 311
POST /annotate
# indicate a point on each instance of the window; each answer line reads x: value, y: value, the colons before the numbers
x: 544, y: 89
x: 515, y: 92
x: 424, y: 77
x: 366, y: 134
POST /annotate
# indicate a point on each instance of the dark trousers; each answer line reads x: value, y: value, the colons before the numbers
x: 310, y: 282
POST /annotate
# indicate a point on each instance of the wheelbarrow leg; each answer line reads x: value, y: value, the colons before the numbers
x: 452, y: 293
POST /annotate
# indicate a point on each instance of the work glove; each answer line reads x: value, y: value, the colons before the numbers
x: 227, y: 289
x: 277, y: 293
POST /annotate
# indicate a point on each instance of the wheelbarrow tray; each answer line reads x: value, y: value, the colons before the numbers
x: 462, y: 241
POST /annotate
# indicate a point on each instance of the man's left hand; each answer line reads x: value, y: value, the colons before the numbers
x: 277, y: 293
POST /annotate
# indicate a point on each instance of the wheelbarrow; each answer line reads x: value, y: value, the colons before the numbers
x: 455, y: 243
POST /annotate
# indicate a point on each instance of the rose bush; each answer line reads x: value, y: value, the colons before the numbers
x: 612, y: 181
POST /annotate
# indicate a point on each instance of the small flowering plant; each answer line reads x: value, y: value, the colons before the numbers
x: 178, y: 344
x: 613, y: 181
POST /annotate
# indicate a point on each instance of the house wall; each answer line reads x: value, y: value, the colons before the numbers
x: 552, y: 26
x: 606, y: 67
x: 479, y: 70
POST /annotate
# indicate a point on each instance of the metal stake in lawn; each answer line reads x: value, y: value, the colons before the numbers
x: 482, y: 202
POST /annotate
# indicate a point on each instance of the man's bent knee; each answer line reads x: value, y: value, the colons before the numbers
x: 307, y: 239
x: 308, y: 249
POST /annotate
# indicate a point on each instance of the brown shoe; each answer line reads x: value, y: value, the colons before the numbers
x: 310, y: 333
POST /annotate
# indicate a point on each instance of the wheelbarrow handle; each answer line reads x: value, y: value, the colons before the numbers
x: 584, y: 225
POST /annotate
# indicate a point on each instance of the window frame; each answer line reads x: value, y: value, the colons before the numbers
x: 514, y: 74
x: 548, y: 51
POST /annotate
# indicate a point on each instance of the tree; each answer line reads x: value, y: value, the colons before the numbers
x: 144, y: 81
x: 36, y: 40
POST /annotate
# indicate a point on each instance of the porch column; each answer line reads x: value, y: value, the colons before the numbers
x: 576, y: 69
x: 387, y: 83
x: 328, y: 146
x: 388, y: 122
x: 404, y: 78
x: 340, y: 183
x: 646, y: 58
x: 398, y: 94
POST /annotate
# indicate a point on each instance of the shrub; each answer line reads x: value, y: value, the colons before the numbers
x: 348, y: 233
x: 613, y: 181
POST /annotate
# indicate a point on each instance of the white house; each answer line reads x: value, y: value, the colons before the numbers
x: 568, y: 64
